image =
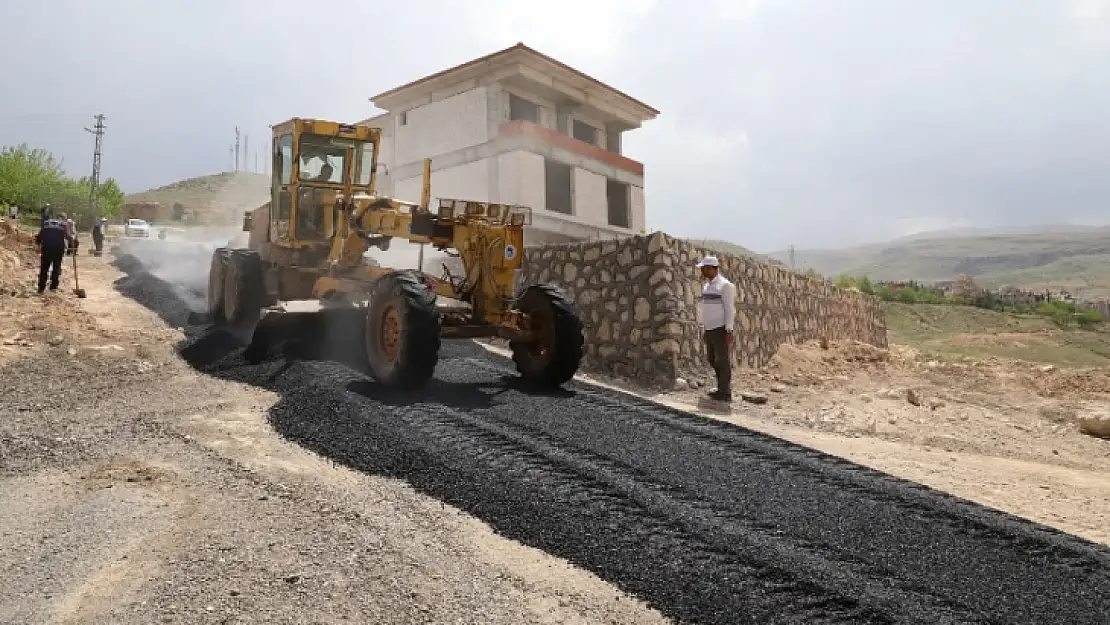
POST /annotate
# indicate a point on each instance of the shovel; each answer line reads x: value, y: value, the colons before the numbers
x: 77, y: 290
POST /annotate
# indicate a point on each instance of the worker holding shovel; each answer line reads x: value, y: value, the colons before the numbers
x: 52, y: 240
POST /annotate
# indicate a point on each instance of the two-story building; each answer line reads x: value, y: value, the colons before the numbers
x: 519, y: 127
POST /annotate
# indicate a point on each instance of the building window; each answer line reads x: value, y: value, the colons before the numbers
x: 404, y: 118
x: 558, y: 187
x: 521, y: 109
x: 585, y: 132
x: 617, y: 194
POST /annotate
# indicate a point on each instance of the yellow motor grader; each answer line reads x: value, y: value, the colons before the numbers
x: 310, y: 242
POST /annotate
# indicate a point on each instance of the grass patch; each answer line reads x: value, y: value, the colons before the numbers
x: 954, y: 332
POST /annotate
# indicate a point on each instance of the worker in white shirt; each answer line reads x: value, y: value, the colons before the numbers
x: 718, y: 314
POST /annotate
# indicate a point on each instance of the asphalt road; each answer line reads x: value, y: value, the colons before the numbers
x: 709, y: 522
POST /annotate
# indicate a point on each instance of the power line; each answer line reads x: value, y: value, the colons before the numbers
x: 94, y: 185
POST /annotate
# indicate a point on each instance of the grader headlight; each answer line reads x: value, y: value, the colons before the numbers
x: 446, y: 209
x: 520, y: 216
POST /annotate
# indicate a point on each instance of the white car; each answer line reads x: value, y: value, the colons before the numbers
x: 136, y: 228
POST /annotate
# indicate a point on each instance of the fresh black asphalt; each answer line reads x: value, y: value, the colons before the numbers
x: 708, y: 522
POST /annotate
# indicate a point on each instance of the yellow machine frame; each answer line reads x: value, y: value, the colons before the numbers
x: 488, y: 237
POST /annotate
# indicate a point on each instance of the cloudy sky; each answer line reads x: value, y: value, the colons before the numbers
x: 807, y: 122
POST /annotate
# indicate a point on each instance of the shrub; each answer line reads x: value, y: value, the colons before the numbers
x: 907, y: 295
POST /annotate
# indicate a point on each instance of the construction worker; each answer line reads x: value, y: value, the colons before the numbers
x: 718, y: 314
x: 98, y: 235
x: 71, y: 232
x: 52, y: 239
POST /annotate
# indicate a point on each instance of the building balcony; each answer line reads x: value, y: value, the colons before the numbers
x: 522, y: 128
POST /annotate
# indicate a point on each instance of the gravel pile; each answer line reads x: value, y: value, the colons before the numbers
x: 710, y: 523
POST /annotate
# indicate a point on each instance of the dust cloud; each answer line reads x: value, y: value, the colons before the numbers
x: 183, y: 258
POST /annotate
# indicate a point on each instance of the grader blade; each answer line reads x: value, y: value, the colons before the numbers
x: 334, y: 334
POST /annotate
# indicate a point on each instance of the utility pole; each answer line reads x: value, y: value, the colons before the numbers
x: 256, y: 162
x: 791, y: 258
x: 94, y: 184
x: 231, y: 158
x: 236, y: 148
x: 246, y: 150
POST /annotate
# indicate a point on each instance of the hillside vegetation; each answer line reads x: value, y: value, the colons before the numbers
x: 947, y: 331
x: 1073, y: 258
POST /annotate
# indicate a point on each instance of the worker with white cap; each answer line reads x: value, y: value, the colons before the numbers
x: 718, y: 313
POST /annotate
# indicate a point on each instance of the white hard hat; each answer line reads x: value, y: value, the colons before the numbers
x: 709, y: 261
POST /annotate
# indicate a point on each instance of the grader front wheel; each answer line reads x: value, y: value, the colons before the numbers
x: 552, y: 357
x: 402, y: 331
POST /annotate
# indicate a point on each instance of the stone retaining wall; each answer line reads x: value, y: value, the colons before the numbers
x: 638, y: 300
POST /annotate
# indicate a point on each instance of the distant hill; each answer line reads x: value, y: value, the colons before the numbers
x: 725, y: 247
x: 1076, y: 258
x: 217, y: 198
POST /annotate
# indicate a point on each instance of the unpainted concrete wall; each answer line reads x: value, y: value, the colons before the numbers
x: 469, y: 181
x: 638, y: 298
x: 442, y: 126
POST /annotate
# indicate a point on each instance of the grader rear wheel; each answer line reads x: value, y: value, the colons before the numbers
x: 402, y: 331
x: 217, y: 273
x: 552, y: 357
x: 244, y: 291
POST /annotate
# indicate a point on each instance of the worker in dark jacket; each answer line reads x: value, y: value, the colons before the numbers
x: 52, y: 240
x: 98, y: 235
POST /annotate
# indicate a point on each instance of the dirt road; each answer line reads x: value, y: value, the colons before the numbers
x: 134, y: 490
x: 709, y: 522
x: 211, y: 516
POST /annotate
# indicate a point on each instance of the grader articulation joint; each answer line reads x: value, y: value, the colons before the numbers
x: 310, y: 242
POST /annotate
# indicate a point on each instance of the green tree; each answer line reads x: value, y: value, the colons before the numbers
x: 845, y: 281
x: 812, y: 274
x: 865, y: 285
x: 30, y: 178
x: 887, y: 293
x: 906, y: 295
x: 111, y: 198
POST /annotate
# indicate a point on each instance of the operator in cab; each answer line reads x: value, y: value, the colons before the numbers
x: 718, y: 314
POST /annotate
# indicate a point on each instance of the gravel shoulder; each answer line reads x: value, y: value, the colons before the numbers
x: 135, y: 490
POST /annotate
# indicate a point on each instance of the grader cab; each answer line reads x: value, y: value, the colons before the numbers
x: 310, y: 242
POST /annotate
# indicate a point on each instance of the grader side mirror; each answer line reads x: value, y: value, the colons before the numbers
x: 247, y: 219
